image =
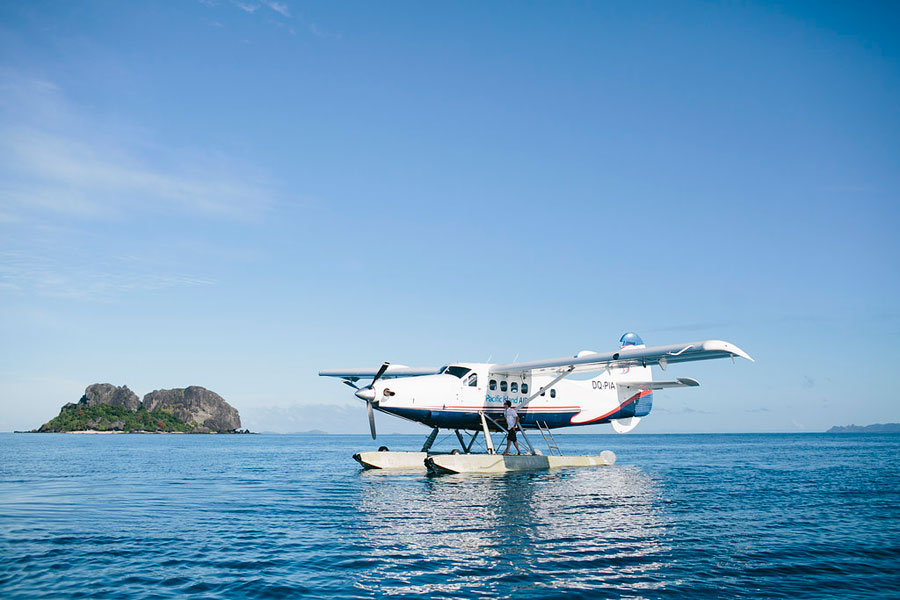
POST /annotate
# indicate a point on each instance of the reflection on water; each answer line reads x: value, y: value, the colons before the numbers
x: 509, y: 534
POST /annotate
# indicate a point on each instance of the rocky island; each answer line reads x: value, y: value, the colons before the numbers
x: 108, y: 408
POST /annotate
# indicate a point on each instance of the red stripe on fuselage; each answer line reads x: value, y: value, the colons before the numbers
x: 525, y: 408
x: 634, y: 398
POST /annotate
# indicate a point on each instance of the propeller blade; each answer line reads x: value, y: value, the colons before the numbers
x: 381, y: 371
x: 351, y: 384
x: 371, y: 418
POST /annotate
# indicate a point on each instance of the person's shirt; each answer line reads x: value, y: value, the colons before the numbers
x: 511, y: 416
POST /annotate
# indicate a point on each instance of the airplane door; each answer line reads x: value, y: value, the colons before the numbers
x: 471, y: 393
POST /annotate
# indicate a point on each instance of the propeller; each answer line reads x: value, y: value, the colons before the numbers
x: 368, y: 394
x: 371, y: 418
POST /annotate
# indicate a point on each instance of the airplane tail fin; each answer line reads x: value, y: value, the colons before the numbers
x: 634, y: 394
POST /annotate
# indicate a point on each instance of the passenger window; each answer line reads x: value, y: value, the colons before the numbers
x: 524, y: 388
x: 502, y: 386
x: 553, y: 393
x: 543, y: 393
x: 493, y: 384
x: 473, y: 380
x: 514, y: 388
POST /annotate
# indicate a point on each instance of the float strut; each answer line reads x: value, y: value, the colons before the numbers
x: 462, y: 442
x: 466, y: 447
x: 472, y: 441
x: 487, y: 433
x: 430, y: 440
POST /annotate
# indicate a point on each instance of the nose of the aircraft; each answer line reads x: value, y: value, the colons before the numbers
x: 367, y: 394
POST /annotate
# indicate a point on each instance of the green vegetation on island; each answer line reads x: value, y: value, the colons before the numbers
x: 103, y: 417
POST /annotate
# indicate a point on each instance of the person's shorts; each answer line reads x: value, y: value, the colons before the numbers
x: 511, y: 436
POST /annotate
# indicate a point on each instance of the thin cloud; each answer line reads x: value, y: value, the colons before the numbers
x: 283, y: 11
x: 247, y: 7
x: 52, y: 159
x: 66, y: 174
x: 321, y: 32
x: 54, y: 278
x: 278, y: 7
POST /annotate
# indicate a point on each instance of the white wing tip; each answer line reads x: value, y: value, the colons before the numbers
x: 726, y: 347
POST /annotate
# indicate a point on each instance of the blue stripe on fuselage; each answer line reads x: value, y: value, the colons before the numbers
x: 449, y: 419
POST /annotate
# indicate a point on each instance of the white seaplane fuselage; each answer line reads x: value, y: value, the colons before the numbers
x: 454, y: 398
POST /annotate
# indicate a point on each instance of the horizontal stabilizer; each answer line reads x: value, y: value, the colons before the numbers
x: 657, y: 385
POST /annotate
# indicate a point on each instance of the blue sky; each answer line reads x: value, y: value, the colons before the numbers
x: 237, y: 194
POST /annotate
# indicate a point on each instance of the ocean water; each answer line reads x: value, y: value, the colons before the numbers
x: 270, y: 516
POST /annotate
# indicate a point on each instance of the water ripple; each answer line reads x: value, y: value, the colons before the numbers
x: 159, y: 517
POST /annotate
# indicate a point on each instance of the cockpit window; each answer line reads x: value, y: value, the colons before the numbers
x: 473, y: 380
x: 455, y: 371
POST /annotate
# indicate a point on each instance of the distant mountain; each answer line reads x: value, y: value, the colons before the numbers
x: 876, y: 428
x: 105, y: 407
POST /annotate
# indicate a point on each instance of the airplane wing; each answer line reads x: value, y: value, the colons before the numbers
x: 657, y: 385
x: 392, y: 371
x: 626, y: 357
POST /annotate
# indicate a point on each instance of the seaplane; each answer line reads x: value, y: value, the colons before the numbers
x: 471, y: 399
